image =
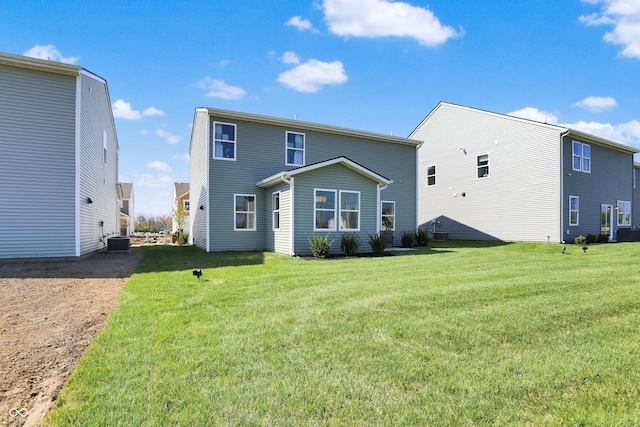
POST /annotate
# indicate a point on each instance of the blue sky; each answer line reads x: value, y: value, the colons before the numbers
x: 373, y: 65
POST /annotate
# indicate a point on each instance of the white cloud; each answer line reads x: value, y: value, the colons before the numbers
x: 532, y: 113
x: 50, y: 52
x: 123, y: 110
x: 169, y: 137
x: 312, y: 75
x: 152, y: 111
x: 383, y: 18
x: 290, y: 58
x: 147, y: 180
x: 300, y: 24
x: 144, y: 132
x: 624, y: 16
x: 625, y: 133
x: 183, y: 158
x: 596, y: 104
x: 219, y: 89
x: 159, y: 166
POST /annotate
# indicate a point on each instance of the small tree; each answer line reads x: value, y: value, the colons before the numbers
x: 179, y: 215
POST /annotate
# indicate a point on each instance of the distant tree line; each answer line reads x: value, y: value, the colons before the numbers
x: 152, y: 224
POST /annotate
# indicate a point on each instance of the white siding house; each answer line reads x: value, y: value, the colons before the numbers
x: 58, y: 160
x: 488, y: 176
x: 127, y: 209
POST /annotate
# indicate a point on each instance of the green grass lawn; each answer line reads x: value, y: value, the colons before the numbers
x: 460, y: 333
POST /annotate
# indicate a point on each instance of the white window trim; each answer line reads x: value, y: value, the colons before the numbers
x: 348, y: 210
x: 488, y: 165
x: 626, y: 213
x: 186, y: 202
x: 287, y: 148
x: 382, y: 215
x: 235, y: 145
x: 435, y: 181
x: 581, y: 157
x: 574, y: 210
x: 274, y: 210
x: 255, y: 215
x: 336, y: 216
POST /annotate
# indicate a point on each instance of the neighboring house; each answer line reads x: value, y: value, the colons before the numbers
x: 181, y: 198
x: 58, y: 158
x: 267, y: 183
x: 487, y: 176
x: 127, y: 209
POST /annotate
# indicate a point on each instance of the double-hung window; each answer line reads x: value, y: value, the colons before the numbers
x: 295, y: 149
x: 624, y: 213
x: 245, y: 212
x: 224, y: 141
x: 185, y: 205
x: 482, y: 162
x: 104, y: 146
x: 350, y: 210
x: 581, y: 157
x: 276, y: 211
x: 574, y: 210
x: 388, y: 215
x: 324, y: 212
x: 431, y: 175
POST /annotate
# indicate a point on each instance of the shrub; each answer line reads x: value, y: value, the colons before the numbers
x: 320, y: 246
x: 422, y: 237
x: 349, y: 244
x: 377, y: 243
x: 591, y: 238
x: 603, y: 238
x: 184, y: 236
x: 580, y: 240
x: 408, y: 238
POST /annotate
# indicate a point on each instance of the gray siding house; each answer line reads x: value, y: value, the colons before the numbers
x: 58, y: 160
x: 264, y: 183
x: 488, y: 176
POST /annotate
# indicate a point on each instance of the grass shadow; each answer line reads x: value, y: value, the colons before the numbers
x: 177, y: 258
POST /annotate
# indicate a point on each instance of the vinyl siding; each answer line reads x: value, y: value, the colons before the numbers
x: 279, y: 240
x: 519, y: 201
x: 199, y: 186
x: 37, y: 163
x: 260, y: 153
x: 610, y: 180
x: 635, y: 221
x: 100, y: 219
x: 334, y: 177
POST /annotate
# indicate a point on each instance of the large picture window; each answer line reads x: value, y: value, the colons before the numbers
x: 483, y: 165
x: 295, y: 149
x: 389, y: 216
x: 350, y: 210
x: 245, y: 212
x: 581, y: 157
x: 324, y: 212
x: 574, y: 210
x: 224, y: 141
x: 276, y: 211
x: 431, y: 175
x: 624, y: 213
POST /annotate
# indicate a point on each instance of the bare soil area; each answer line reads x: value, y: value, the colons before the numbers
x: 49, y: 313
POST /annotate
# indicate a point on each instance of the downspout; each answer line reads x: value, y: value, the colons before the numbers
x: 562, y: 218
x: 290, y: 182
x: 418, y: 184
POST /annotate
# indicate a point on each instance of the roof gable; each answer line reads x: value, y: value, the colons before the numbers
x: 344, y: 161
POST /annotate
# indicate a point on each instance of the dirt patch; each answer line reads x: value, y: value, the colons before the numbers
x: 49, y: 313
